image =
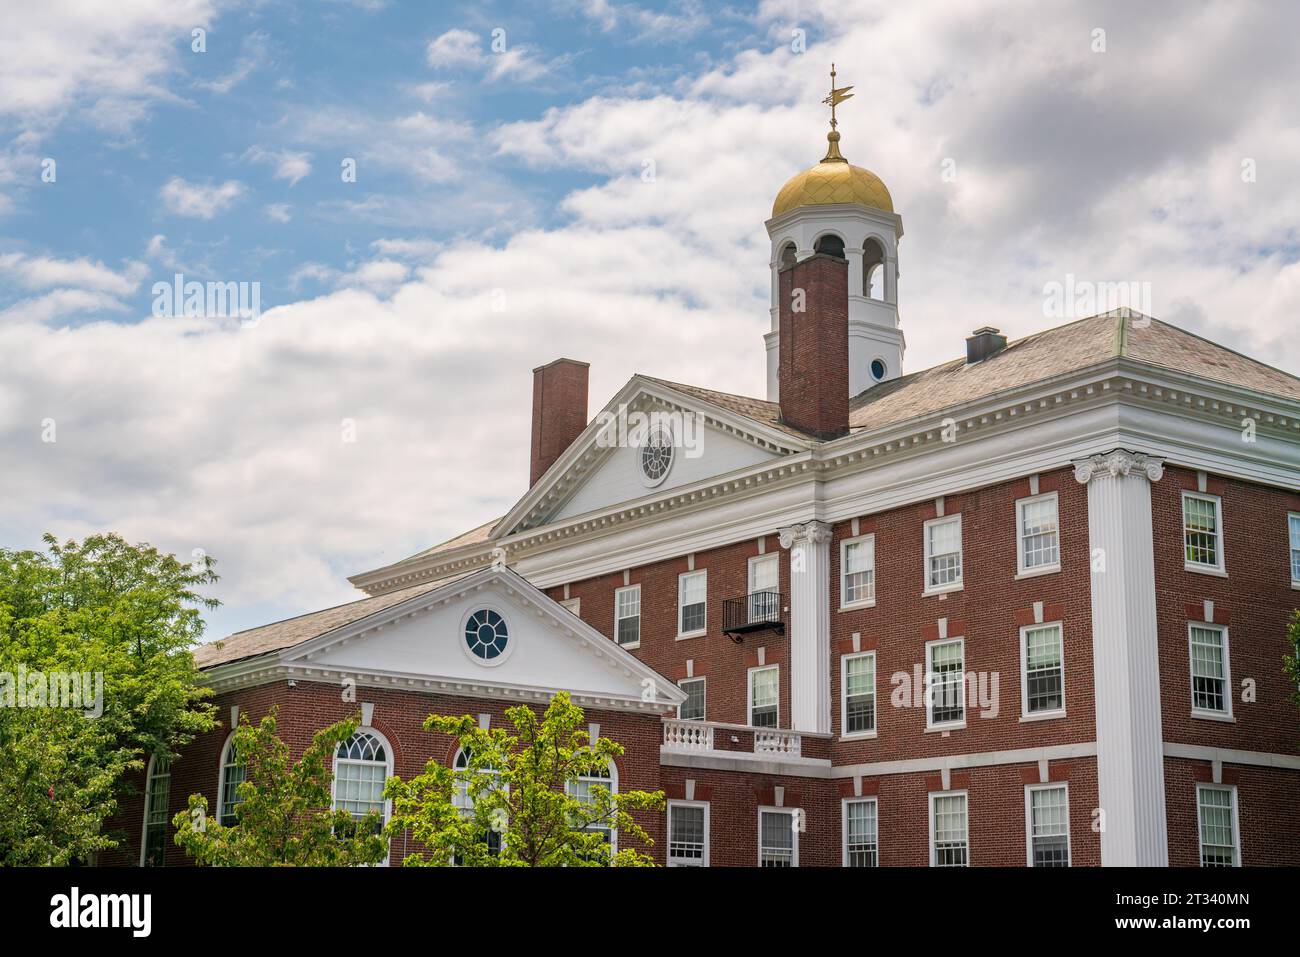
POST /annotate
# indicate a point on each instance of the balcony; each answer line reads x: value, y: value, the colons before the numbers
x: 757, y: 611
x: 712, y: 737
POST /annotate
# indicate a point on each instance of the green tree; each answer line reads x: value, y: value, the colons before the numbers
x: 512, y: 804
x: 285, y: 812
x: 125, y: 616
x: 1291, y: 662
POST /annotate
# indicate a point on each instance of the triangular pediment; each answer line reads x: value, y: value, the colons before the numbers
x: 493, y: 633
x: 605, y: 467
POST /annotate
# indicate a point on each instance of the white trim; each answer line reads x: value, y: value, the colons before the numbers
x: 1025, y: 714
x: 388, y: 773
x: 930, y: 723
x: 148, y: 793
x: 961, y: 793
x: 1226, y: 714
x: 870, y: 602
x: 703, y: 680
x: 1029, y: 820
x: 617, y: 619
x: 681, y: 608
x: 505, y: 620
x: 845, y: 733
x: 613, y: 789
x: 1220, y: 566
x: 844, y: 825
x: 1258, y: 759
x: 749, y: 694
x: 1236, y: 822
x: 668, y: 835
x: 957, y: 584
x: 765, y: 558
x: 1021, y: 503
x: 794, y: 831
x: 221, y: 773
x: 1291, y: 517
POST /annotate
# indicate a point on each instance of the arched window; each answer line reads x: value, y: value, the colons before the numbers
x: 233, y: 774
x: 465, y: 802
x: 581, y: 788
x: 873, y: 269
x: 788, y: 256
x: 362, y: 765
x: 831, y: 245
x: 157, y: 796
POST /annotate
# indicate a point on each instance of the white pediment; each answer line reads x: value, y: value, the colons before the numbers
x: 522, y: 643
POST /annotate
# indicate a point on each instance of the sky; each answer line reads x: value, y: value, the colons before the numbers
x: 435, y: 198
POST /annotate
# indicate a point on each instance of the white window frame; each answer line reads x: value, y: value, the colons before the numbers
x: 461, y: 799
x: 221, y: 778
x: 1025, y: 714
x: 959, y: 583
x: 1220, y: 567
x: 764, y: 609
x: 930, y: 723
x: 790, y: 812
x: 931, y: 800
x: 1029, y: 820
x: 1226, y: 713
x: 870, y: 601
x: 618, y: 592
x: 1236, y: 822
x: 749, y: 694
x: 681, y: 608
x: 844, y: 826
x: 1021, y: 505
x: 704, y: 684
x: 150, y: 787
x: 668, y: 835
x: 1292, y: 549
x: 388, y: 773
x: 611, y: 783
x: 845, y: 733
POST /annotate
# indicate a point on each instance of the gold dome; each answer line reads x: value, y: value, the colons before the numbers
x: 833, y: 180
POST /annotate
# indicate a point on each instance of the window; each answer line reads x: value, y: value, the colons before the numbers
x: 627, y: 615
x: 1202, y: 541
x: 1038, y: 544
x: 830, y: 245
x: 858, y: 571
x: 764, y: 696
x: 764, y: 589
x: 465, y: 802
x: 859, y: 691
x: 1042, y: 672
x: 692, y: 709
x: 360, y: 770
x: 486, y: 635
x: 1293, y: 523
x: 1047, y: 823
x: 692, y: 588
x: 688, y: 834
x: 1209, y: 655
x: 948, y: 842
x: 860, y: 833
x: 232, y: 775
x: 778, y: 838
x: 878, y: 368
x: 943, y: 554
x: 583, y: 787
x: 656, y: 457
x: 1216, y: 816
x: 157, y: 795
x: 788, y: 256
x: 945, y: 681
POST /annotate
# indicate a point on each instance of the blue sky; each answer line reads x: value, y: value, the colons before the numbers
x: 595, y: 188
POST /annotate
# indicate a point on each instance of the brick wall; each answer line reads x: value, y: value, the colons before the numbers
x: 1268, y: 825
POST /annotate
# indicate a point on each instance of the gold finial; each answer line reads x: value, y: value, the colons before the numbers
x: 836, y: 97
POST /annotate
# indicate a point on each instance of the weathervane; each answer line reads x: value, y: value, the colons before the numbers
x: 837, y: 96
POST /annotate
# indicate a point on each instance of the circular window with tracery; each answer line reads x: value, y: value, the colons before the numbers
x: 656, y: 456
x: 486, y: 635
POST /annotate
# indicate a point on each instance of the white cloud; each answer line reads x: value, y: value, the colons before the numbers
x: 254, y: 52
x: 197, y: 200
x: 44, y: 272
x: 278, y: 211
x: 454, y: 48
x: 289, y: 165
x: 458, y: 48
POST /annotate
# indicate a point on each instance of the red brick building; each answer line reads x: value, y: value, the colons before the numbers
x: 1025, y: 607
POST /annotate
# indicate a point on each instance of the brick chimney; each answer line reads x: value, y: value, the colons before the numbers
x: 559, y: 412
x: 813, y: 374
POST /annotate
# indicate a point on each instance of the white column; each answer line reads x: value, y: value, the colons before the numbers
x: 810, y: 625
x: 1125, y: 657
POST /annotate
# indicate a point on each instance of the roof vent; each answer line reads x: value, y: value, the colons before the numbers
x: 982, y: 343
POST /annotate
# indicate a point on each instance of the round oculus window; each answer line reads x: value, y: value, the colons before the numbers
x: 486, y: 635
x: 656, y: 456
x: 878, y: 369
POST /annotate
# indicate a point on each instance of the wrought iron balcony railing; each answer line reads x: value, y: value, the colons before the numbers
x: 757, y: 611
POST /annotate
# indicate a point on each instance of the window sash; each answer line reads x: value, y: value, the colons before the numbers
x: 1039, y: 533
x: 946, y: 682
x: 776, y: 839
x: 764, y: 697
x: 693, y: 708
x: 233, y: 774
x: 1049, y: 826
x: 627, y: 615
x: 949, y: 845
x: 1209, y: 657
x: 1216, y: 816
x: 1044, y: 672
x: 860, y: 834
x: 943, y: 552
x: 858, y: 571
x: 688, y: 834
x: 156, y: 802
x: 1201, y: 531
x: 1293, y: 524
x: 859, y: 693
x: 692, y: 599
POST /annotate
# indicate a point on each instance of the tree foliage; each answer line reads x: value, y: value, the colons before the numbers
x: 128, y: 613
x: 1291, y: 662
x: 512, y: 806
x: 285, y: 811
